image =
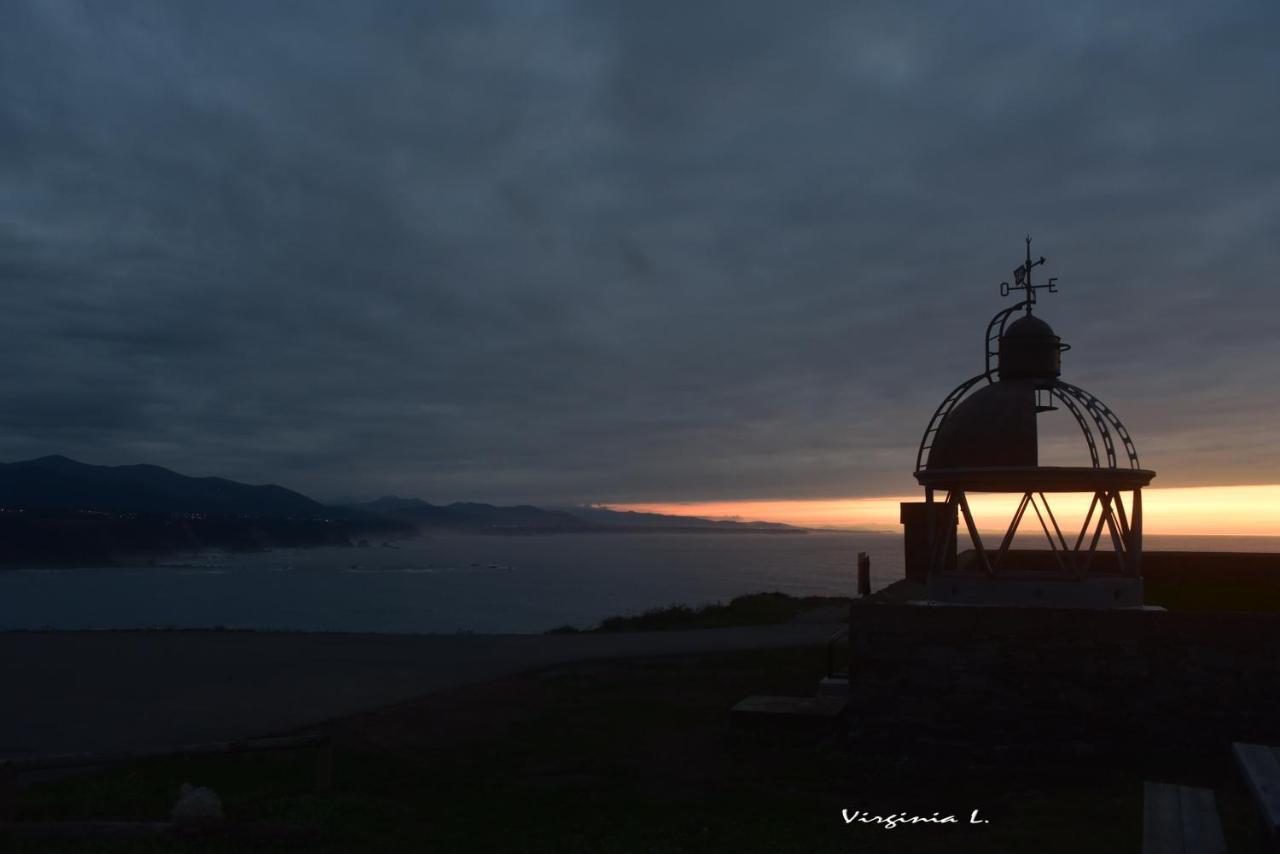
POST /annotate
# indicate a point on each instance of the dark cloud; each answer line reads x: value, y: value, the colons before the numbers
x: 620, y: 251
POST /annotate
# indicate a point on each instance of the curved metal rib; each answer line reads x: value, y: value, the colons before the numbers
x: 1100, y: 423
x: 1066, y: 390
x: 1074, y: 409
x: 940, y: 414
x: 995, y: 329
x: 1104, y: 416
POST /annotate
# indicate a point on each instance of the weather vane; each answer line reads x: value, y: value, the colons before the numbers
x: 1022, y: 279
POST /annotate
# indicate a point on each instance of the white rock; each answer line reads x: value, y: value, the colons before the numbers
x: 196, y: 805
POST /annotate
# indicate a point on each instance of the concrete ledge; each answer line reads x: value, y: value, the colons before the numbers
x: 790, y: 709
x: 966, y: 589
x: 834, y: 686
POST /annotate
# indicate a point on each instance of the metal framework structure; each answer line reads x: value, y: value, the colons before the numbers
x: 1114, y: 468
x: 1074, y: 560
x: 1102, y: 425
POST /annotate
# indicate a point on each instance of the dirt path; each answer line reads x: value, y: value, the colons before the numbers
x: 92, y: 691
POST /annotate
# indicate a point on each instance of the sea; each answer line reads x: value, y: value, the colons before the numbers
x: 481, y: 584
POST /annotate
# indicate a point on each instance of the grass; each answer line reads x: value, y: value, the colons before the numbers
x: 755, y: 609
x: 1200, y: 588
x: 625, y: 756
x: 641, y: 755
x: 1242, y: 596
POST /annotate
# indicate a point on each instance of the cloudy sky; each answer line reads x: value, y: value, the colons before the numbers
x: 624, y: 251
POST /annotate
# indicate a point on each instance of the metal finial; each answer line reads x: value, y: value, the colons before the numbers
x: 1022, y: 280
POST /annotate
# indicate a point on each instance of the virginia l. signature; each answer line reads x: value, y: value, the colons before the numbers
x: 889, y: 822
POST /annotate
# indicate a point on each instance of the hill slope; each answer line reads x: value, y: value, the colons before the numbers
x: 59, y: 483
x: 632, y: 519
x: 462, y: 516
x: 468, y: 516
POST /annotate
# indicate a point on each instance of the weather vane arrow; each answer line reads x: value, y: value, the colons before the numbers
x: 1022, y: 279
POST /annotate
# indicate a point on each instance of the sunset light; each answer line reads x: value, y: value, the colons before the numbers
x: 1199, y: 510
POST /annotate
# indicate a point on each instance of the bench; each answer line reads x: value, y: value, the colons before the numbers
x: 1260, y: 766
x: 1180, y: 820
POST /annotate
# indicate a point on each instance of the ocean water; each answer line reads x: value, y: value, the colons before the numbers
x: 465, y: 583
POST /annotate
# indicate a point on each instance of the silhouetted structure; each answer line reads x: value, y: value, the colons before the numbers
x: 983, y: 438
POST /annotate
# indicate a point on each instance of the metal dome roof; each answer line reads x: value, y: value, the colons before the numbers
x: 993, y: 427
x: 1028, y: 326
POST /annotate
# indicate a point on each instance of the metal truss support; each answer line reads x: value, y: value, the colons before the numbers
x: 1106, y: 512
x: 1135, y: 536
x: 973, y: 532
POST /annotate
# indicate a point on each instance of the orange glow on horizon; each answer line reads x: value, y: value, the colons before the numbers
x: 1199, y: 510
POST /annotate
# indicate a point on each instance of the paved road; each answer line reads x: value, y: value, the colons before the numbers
x: 94, y: 691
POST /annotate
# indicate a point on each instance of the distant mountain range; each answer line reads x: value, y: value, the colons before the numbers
x: 55, y: 510
x: 526, y: 518
x: 465, y: 516
x: 632, y: 520
x: 59, y: 483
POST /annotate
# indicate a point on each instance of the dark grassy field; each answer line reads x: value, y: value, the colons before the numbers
x: 755, y: 609
x: 1212, y: 581
x: 629, y: 756
x: 642, y: 756
x: 1181, y: 581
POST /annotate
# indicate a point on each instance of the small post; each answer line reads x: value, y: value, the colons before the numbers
x: 8, y: 794
x: 864, y: 574
x: 324, y: 764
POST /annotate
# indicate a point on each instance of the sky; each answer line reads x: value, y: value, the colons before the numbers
x: 621, y: 252
x: 1236, y: 511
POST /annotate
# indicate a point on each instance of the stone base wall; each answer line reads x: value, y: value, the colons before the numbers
x: 1007, y: 678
